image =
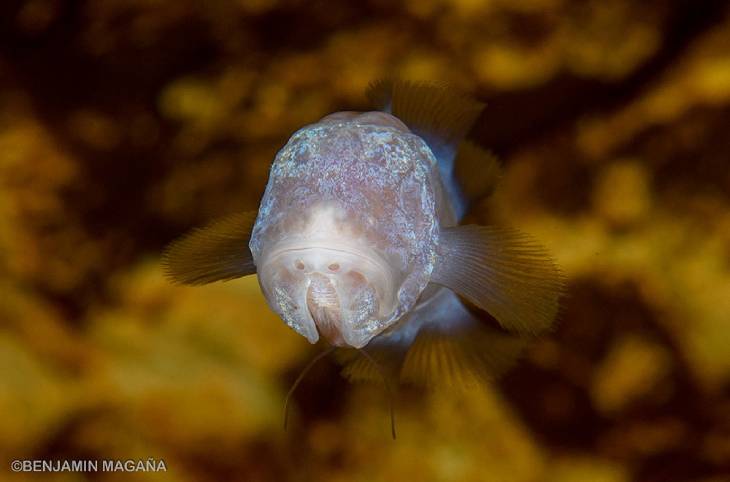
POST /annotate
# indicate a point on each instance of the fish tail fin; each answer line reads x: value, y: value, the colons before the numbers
x: 439, y: 114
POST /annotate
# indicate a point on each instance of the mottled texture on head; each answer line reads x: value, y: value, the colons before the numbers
x: 345, y: 238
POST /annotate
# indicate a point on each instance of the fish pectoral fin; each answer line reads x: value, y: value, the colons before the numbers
x: 357, y: 368
x: 502, y: 271
x: 477, y: 169
x: 216, y: 252
x: 442, y: 356
x: 427, y: 108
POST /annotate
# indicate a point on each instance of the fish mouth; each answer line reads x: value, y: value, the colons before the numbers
x: 323, y: 304
x: 331, y: 290
x: 317, y: 259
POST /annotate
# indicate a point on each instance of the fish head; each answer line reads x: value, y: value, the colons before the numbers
x: 344, y: 241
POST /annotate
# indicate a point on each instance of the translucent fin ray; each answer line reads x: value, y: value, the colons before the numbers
x: 217, y: 252
x: 427, y: 108
x: 457, y: 349
x: 454, y: 348
x: 357, y: 368
x: 477, y: 355
x: 503, y: 272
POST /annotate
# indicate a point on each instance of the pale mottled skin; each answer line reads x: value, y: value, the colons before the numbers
x: 348, y: 230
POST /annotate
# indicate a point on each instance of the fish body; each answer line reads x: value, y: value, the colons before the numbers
x: 357, y: 241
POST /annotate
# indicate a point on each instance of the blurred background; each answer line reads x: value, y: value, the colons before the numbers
x: 125, y: 122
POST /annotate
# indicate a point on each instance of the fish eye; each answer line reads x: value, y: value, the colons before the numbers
x: 298, y: 264
x: 334, y: 267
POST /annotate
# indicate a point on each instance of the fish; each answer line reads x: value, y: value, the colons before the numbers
x: 358, y: 242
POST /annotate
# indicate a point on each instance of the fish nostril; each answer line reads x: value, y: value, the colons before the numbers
x: 298, y: 264
x: 334, y: 267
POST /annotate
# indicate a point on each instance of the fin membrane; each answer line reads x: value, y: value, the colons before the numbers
x: 478, y: 170
x: 429, y: 109
x: 357, y: 368
x: 454, y: 348
x: 217, y: 252
x: 471, y: 354
x: 504, y: 272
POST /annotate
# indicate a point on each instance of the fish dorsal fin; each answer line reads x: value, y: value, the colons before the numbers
x: 502, y: 271
x: 428, y: 109
x: 216, y: 252
x: 478, y: 170
x: 380, y: 93
x: 471, y: 353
